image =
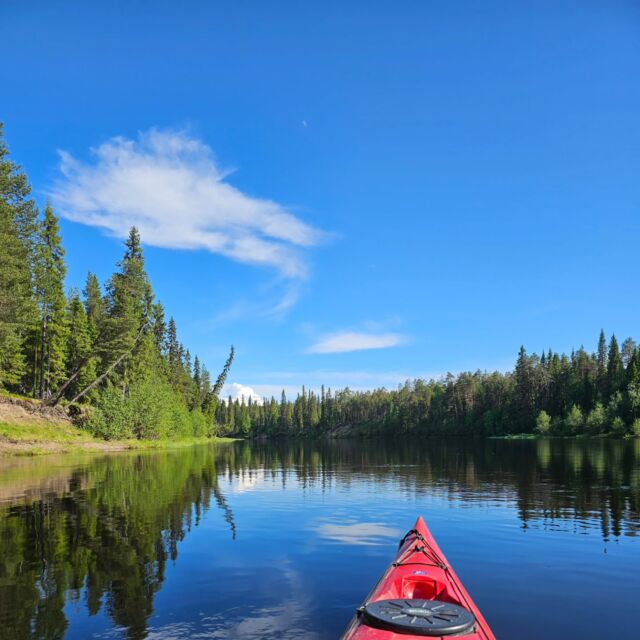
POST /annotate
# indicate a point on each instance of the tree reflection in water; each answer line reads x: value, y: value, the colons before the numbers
x: 100, y: 531
x: 107, y: 537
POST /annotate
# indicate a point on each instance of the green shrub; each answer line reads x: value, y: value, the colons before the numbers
x: 151, y: 403
x: 112, y: 418
x: 543, y: 422
x: 635, y: 427
x: 614, y: 408
x: 199, y: 427
x: 617, y: 426
x: 181, y: 421
x: 150, y: 410
x: 574, y: 420
x: 597, y: 419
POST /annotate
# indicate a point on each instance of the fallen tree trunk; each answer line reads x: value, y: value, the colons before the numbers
x: 54, y: 399
x: 58, y: 395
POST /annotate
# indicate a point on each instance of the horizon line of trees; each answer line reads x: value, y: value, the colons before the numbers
x: 111, y: 354
x: 554, y: 394
x: 108, y: 351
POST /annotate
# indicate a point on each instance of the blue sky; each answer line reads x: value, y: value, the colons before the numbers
x: 351, y: 193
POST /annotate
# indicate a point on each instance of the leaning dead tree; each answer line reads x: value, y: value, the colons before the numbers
x: 125, y: 354
x: 217, y: 387
x: 53, y: 400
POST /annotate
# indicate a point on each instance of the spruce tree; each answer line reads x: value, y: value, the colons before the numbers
x: 15, y: 301
x: 129, y: 306
x: 196, y: 394
x: 222, y: 377
x: 48, y: 361
x: 94, y: 305
x: 80, y: 359
x: 159, y: 328
x: 18, y: 224
x: 615, y: 368
x: 173, y: 349
x: 601, y: 358
x: 208, y: 404
x: 283, y: 413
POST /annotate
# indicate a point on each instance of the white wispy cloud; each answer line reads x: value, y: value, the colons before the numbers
x: 344, y: 341
x: 168, y: 184
x: 261, y: 305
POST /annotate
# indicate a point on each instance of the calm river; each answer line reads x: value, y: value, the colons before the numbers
x: 284, y: 540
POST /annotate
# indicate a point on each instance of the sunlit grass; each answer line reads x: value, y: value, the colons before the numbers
x: 43, y: 432
x: 41, y: 437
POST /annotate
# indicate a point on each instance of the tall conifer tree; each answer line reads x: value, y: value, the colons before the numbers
x: 94, y: 305
x: 80, y: 354
x: 50, y: 271
x: 18, y: 224
x: 615, y: 368
x: 129, y: 305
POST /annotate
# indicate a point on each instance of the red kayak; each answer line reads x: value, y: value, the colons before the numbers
x: 419, y: 595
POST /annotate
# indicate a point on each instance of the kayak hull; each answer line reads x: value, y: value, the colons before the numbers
x: 419, y: 573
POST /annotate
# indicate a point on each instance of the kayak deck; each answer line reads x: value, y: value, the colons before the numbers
x: 419, y: 595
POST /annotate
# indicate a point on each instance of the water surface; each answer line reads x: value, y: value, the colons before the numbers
x: 283, y: 540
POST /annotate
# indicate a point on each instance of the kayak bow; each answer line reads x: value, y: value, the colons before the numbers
x: 419, y: 595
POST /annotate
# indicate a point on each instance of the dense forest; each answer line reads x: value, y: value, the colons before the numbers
x: 108, y: 352
x: 555, y: 394
x: 112, y: 357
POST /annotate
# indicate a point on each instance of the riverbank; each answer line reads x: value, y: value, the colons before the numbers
x: 39, y: 439
x: 28, y: 428
x: 576, y: 436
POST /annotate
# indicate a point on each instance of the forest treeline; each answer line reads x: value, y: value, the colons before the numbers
x: 107, y: 350
x: 555, y: 394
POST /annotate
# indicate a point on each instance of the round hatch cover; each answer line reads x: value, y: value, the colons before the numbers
x: 419, y: 617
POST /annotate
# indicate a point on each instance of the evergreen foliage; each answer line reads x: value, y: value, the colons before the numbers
x: 48, y: 360
x: 555, y: 394
x: 17, y: 242
x: 112, y: 351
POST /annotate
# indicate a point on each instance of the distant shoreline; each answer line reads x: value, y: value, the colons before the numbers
x: 27, y: 428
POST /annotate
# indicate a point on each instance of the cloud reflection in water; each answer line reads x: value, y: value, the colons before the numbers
x: 358, y: 533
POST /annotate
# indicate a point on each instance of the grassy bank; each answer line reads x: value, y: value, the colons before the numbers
x: 37, y: 438
x: 27, y: 427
